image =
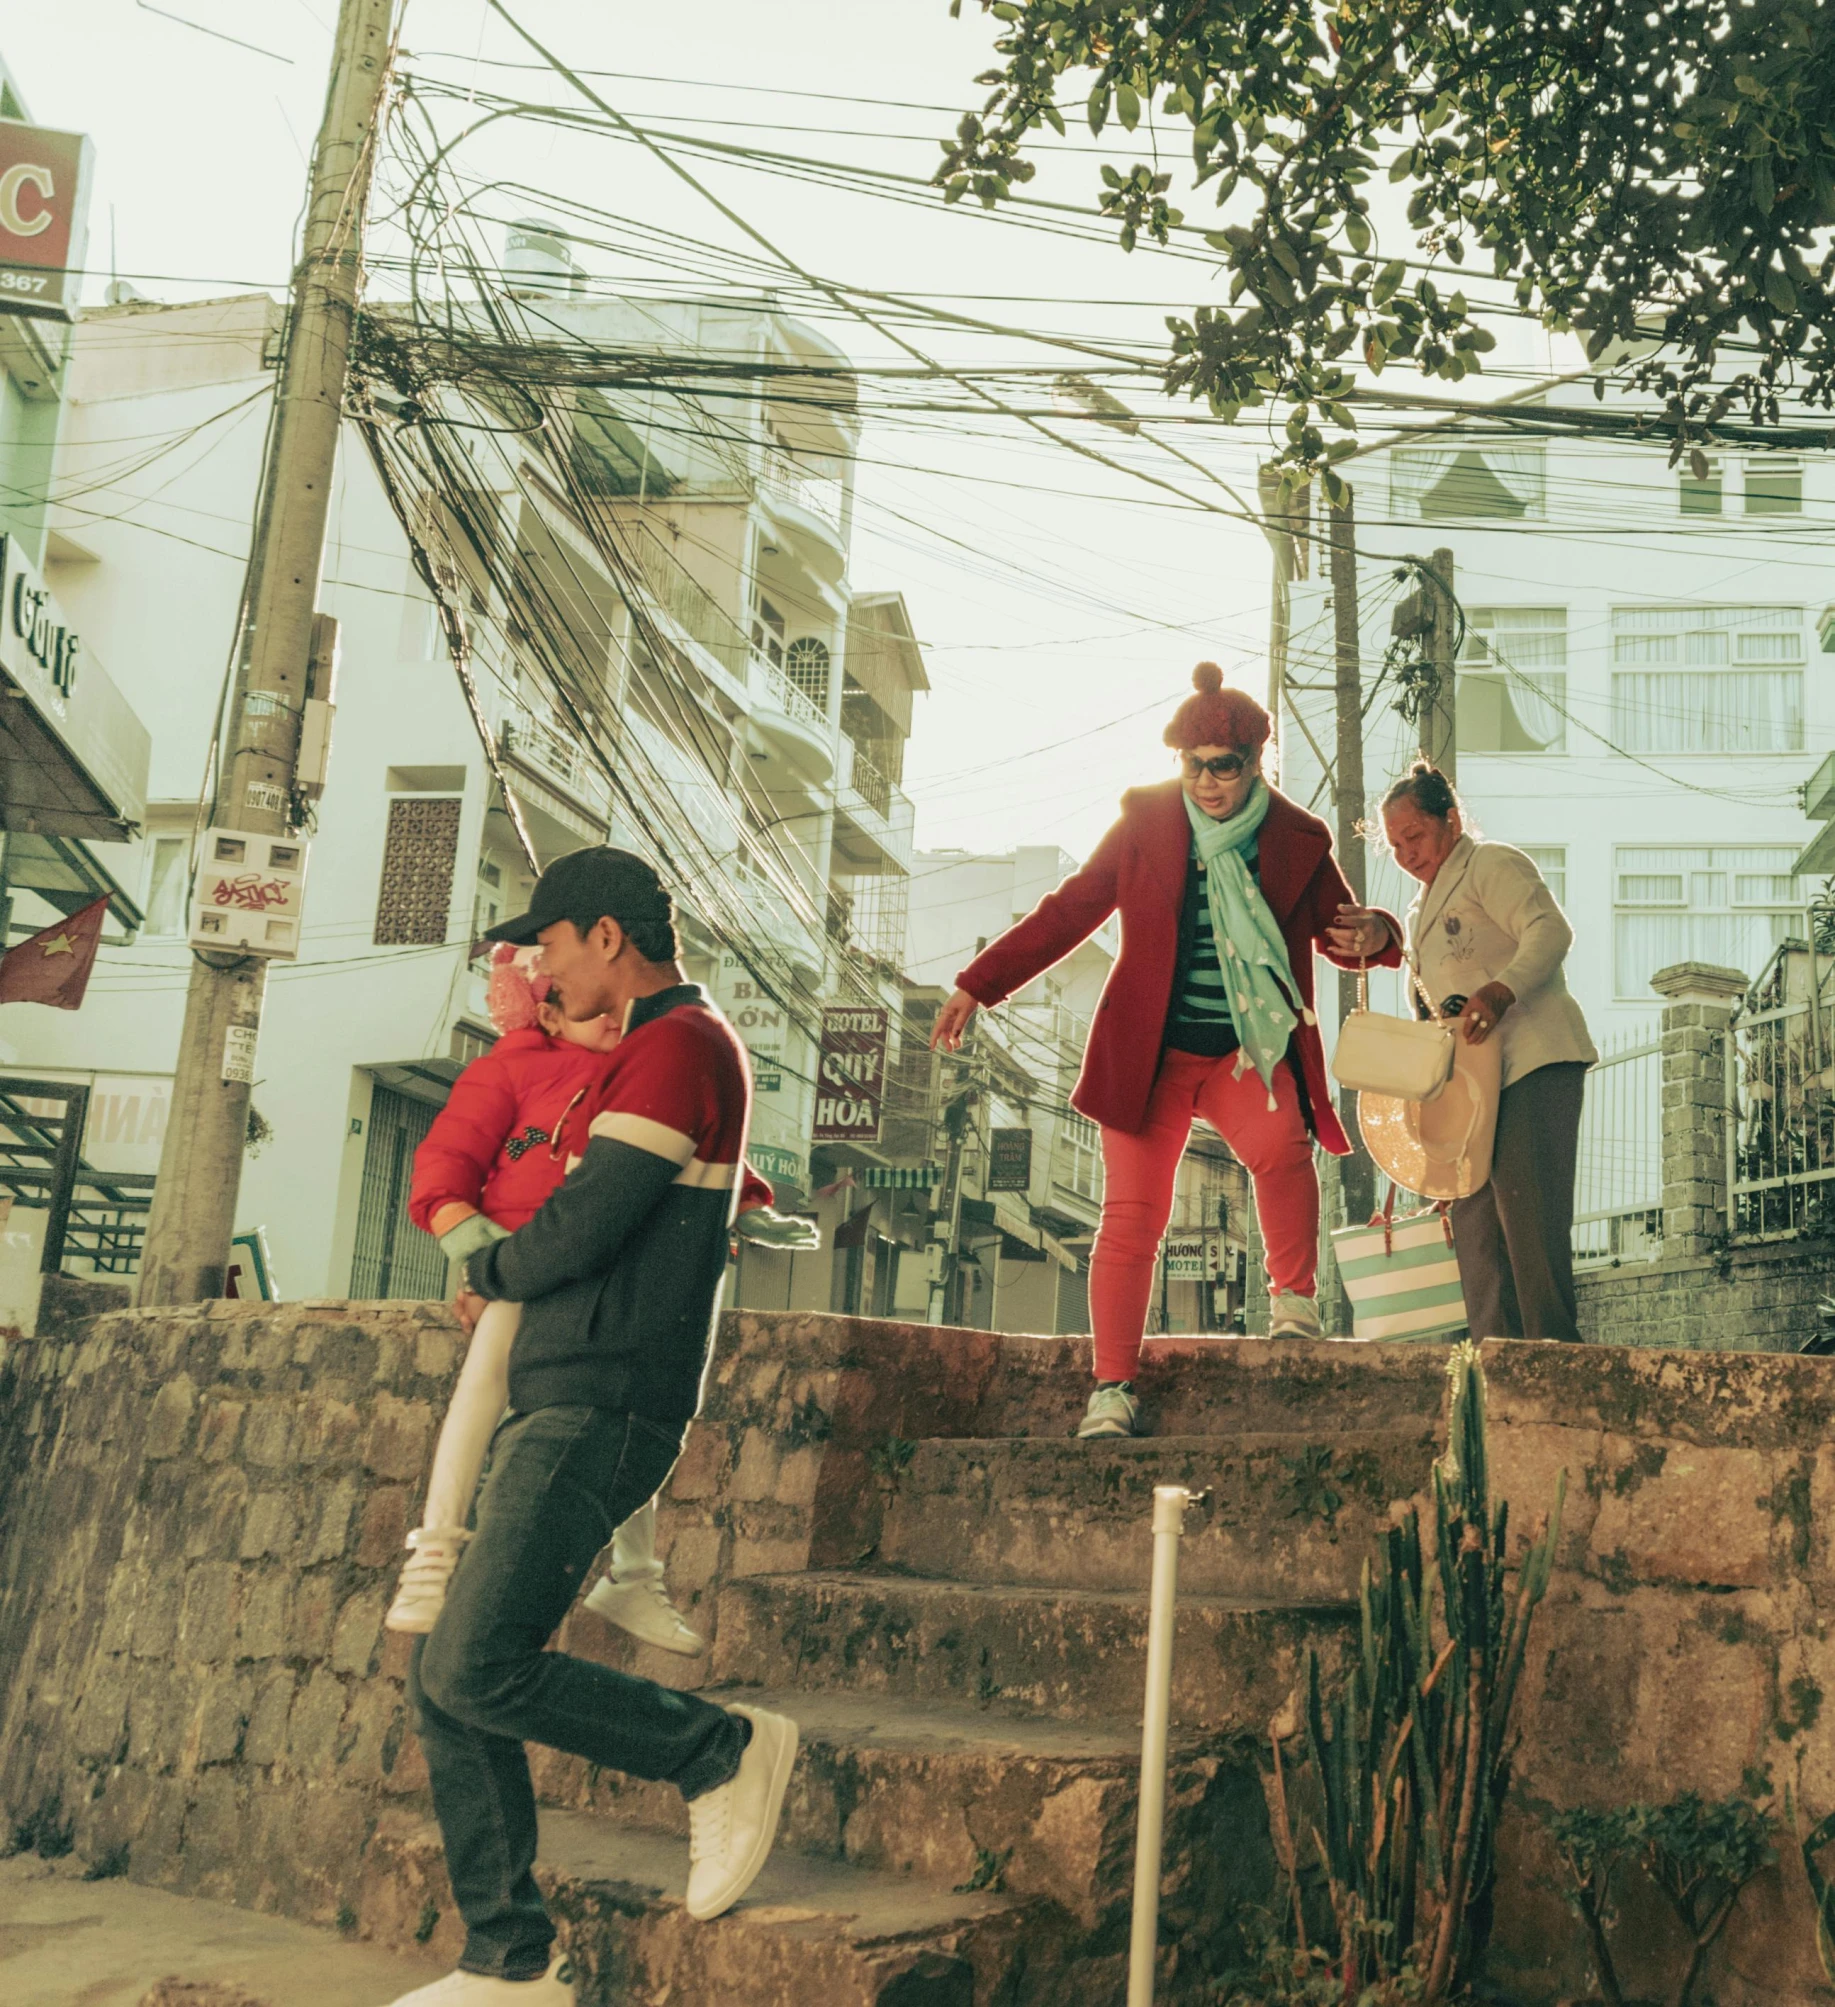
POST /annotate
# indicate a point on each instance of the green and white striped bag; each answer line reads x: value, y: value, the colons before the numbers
x: 1401, y: 1275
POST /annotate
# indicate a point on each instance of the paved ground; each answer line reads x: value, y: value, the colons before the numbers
x: 65, y: 1942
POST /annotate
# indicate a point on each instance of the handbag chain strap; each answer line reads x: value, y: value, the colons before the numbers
x: 1414, y: 976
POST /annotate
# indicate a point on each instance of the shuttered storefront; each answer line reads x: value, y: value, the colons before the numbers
x: 393, y: 1257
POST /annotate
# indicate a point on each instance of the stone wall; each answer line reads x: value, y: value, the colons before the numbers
x: 1747, y: 1299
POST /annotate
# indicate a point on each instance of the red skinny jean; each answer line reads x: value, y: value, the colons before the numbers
x: 1138, y: 1170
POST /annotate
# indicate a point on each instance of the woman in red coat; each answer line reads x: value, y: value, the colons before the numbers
x: 1226, y: 890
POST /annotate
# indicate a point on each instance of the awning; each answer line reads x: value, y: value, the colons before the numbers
x: 64, y: 872
x: 1061, y: 1254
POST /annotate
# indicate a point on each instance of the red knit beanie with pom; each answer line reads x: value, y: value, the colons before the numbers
x: 515, y: 989
x: 1216, y: 716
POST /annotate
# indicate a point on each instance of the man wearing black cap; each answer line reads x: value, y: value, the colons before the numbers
x: 618, y: 1275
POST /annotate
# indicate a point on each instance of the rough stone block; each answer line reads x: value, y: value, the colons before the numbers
x: 698, y: 1469
x: 383, y: 1536
x: 102, y: 1714
x: 371, y: 1737
x: 331, y: 1529
x: 1703, y: 1517
x: 266, y: 1629
x: 222, y: 1714
x: 397, y: 1444
x: 271, y: 1527
x: 211, y: 1524
x: 174, y: 1992
x: 312, y: 1733
x: 267, y: 1436
x: 329, y: 1431
x: 218, y: 1427
x: 315, y: 1609
x: 169, y: 1418
x: 353, y: 1641
x: 266, y: 1738
x: 436, y: 1353
x: 798, y: 1475
x: 756, y: 1476
x: 207, y: 1625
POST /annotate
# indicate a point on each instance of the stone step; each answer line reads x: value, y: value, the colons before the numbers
x: 1074, y: 1654
x: 1193, y: 1386
x: 1285, y: 1517
x: 959, y: 1795
x: 808, y: 1930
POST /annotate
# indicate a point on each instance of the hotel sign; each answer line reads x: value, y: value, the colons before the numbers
x: 44, y: 210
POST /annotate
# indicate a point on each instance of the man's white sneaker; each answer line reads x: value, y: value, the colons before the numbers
x: 644, y: 1609
x: 1113, y: 1411
x: 473, y: 1989
x: 1291, y: 1316
x: 731, y: 1828
x: 434, y: 1554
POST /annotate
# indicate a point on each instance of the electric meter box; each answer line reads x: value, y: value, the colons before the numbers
x: 249, y: 893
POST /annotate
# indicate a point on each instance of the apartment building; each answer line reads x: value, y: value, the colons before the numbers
x: 734, y: 704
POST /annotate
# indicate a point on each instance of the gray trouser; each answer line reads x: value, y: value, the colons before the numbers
x: 1514, y: 1238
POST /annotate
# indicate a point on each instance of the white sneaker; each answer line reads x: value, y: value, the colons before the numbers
x: 1113, y: 1411
x: 473, y: 1989
x: 730, y: 1830
x: 1291, y: 1316
x: 434, y: 1554
x: 644, y: 1609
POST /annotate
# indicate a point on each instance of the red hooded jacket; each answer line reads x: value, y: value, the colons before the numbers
x: 513, y: 1120
x: 1139, y: 868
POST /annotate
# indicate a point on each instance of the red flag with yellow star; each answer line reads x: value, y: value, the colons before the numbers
x: 53, y: 966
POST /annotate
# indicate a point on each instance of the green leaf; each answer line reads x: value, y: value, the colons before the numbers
x: 1357, y: 230
x: 1127, y: 105
x: 1099, y: 107
x: 1764, y: 187
x: 1283, y: 255
x: 1387, y: 280
x: 1780, y: 292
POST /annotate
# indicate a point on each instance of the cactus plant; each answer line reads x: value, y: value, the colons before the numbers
x: 1403, y: 1772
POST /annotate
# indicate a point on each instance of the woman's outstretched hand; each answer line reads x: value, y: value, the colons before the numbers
x: 952, y: 1022
x: 1360, y: 931
x: 1483, y: 1009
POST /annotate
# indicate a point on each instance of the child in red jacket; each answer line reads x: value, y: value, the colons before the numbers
x: 495, y: 1153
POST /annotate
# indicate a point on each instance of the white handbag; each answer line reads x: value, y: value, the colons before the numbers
x: 1409, y: 1059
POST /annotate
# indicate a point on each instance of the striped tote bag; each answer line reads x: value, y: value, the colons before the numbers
x: 1400, y: 1275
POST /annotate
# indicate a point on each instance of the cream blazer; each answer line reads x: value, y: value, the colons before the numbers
x: 1489, y: 917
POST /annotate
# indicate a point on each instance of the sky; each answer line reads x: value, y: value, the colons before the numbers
x: 1062, y: 602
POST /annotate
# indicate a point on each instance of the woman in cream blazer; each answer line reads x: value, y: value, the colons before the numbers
x: 1488, y: 940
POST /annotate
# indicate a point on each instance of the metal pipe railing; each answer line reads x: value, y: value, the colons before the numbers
x: 1169, y: 1503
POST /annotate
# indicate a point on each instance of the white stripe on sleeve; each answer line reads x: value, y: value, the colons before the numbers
x: 643, y: 1134
x: 709, y: 1177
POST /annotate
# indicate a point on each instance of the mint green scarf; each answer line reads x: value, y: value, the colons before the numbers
x: 1256, y: 971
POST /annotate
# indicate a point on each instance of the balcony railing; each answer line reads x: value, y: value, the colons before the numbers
x: 540, y: 744
x: 699, y: 613
x: 871, y: 785
x: 771, y: 682
x: 818, y: 488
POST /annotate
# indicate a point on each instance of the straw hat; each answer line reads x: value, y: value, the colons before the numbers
x: 1440, y: 1149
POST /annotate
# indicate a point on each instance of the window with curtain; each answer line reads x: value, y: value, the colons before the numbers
x: 1457, y: 483
x: 1728, y: 906
x: 1551, y: 860
x: 1513, y: 680
x: 1707, y: 679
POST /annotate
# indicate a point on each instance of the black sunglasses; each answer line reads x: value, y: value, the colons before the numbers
x: 1223, y: 766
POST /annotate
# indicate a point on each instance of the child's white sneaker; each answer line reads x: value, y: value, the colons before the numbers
x: 434, y: 1554
x: 643, y: 1608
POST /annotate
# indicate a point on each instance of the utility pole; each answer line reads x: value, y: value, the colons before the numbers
x: 1440, y: 721
x: 1279, y: 520
x: 946, y: 1262
x: 1356, y: 1174
x: 200, y: 1165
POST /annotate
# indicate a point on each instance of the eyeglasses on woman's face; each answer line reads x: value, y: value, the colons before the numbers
x: 1220, y: 766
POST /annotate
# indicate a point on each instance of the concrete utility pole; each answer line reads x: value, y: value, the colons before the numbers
x: 1356, y: 1174
x: 200, y: 1166
x: 1440, y: 723
x: 1290, y: 562
x: 945, y: 1284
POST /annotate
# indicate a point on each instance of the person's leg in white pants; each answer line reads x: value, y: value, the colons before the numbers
x: 632, y: 1595
x: 478, y: 1401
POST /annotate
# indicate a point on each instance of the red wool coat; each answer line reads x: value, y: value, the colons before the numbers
x: 513, y: 1122
x: 1139, y: 867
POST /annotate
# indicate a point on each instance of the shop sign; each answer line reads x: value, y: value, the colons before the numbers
x: 851, y: 1075
x: 44, y: 209
x: 1193, y: 1257
x: 1010, y: 1160
x: 758, y: 1018
x: 781, y: 1167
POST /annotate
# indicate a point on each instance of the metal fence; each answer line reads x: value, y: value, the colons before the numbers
x: 1618, y: 1193
x: 1780, y: 1057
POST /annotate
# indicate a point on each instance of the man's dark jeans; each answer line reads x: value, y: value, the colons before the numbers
x: 560, y: 1480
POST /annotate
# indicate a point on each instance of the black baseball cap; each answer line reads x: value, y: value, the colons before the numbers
x: 586, y: 885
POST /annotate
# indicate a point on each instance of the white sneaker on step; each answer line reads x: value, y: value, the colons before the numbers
x: 420, y: 1597
x: 1291, y: 1316
x: 644, y: 1609
x: 474, y: 1989
x: 731, y: 1828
